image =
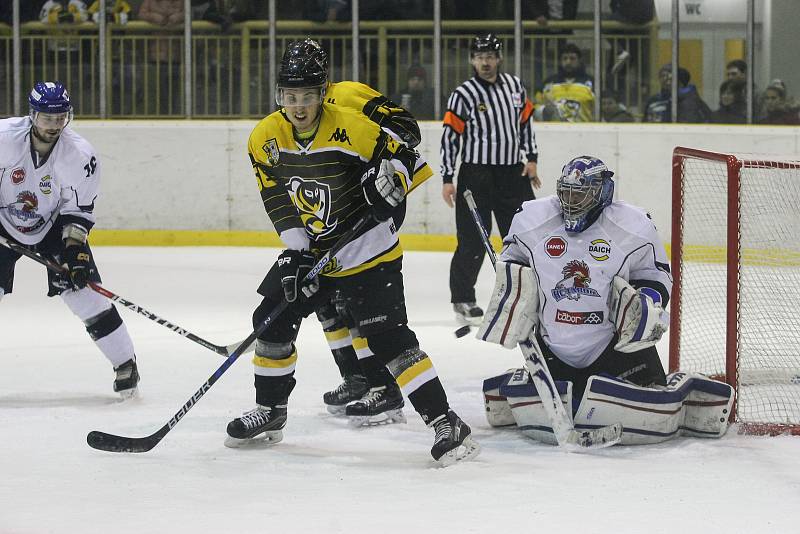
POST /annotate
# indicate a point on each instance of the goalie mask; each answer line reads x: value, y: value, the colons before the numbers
x: 584, y: 188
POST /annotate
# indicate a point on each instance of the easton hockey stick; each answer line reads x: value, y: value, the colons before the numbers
x: 97, y: 288
x: 112, y: 443
x: 563, y: 428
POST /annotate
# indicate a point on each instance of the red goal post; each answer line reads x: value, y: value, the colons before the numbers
x: 735, y: 308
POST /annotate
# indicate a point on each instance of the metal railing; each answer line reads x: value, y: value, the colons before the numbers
x: 231, y: 75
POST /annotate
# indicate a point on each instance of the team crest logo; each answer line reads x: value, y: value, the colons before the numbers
x: 555, y: 247
x: 271, y: 149
x: 17, y: 176
x: 599, y: 249
x: 516, y: 100
x: 575, y: 283
x: 44, y: 185
x: 313, y: 201
x: 24, y: 209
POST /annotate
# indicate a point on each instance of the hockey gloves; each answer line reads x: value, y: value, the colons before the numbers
x: 293, y: 266
x: 384, y: 189
x: 638, y: 316
x: 77, y: 259
x: 514, y: 307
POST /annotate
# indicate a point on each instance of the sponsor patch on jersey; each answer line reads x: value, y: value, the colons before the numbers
x: 575, y: 283
x: 45, y: 186
x: 313, y: 201
x: 272, y: 152
x: 516, y: 99
x: 555, y: 247
x: 482, y: 107
x: 340, y: 136
x: 600, y: 249
x: 568, y: 317
x: 18, y: 176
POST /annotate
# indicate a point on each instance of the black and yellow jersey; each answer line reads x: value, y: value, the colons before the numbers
x: 312, y: 191
x: 376, y: 107
x: 572, y: 97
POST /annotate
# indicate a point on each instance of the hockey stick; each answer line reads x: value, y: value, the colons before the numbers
x: 112, y: 443
x: 97, y: 288
x: 563, y: 428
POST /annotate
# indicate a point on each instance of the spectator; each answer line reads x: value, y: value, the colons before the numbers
x: 117, y: 11
x: 416, y: 97
x: 633, y: 11
x: 779, y: 109
x: 732, y: 105
x: 165, y: 55
x: 737, y: 70
x: 691, y: 108
x: 209, y: 10
x: 60, y: 11
x: 242, y: 10
x: 568, y: 95
x: 543, y: 11
x: 325, y: 10
x: 612, y: 109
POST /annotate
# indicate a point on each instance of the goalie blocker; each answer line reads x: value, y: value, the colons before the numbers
x: 689, y: 405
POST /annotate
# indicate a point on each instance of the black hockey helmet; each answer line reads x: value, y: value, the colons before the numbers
x: 304, y: 64
x: 486, y: 43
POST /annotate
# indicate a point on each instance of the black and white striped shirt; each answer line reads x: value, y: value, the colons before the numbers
x: 493, y: 122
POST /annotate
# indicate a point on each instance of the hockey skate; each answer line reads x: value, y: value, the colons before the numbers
x: 380, y: 405
x: 259, y: 424
x: 127, y: 379
x: 352, y: 388
x: 453, y: 442
x: 468, y: 313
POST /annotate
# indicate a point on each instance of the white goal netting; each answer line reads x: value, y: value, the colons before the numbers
x: 765, y: 274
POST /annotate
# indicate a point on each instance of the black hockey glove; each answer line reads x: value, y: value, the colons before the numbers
x: 383, y: 189
x: 78, y: 261
x: 293, y: 266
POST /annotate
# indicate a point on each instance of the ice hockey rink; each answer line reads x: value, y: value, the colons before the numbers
x: 325, y: 477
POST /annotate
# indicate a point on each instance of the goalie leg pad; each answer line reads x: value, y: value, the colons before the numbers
x: 690, y: 405
x: 527, y: 408
x: 514, y: 305
x: 498, y: 412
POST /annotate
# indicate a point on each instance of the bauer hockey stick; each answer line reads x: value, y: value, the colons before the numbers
x: 563, y: 428
x: 112, y: 443
x: 97, y: 288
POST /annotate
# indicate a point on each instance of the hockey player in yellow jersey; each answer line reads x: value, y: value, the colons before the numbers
x: 320, y: 168
x: 368, y: 394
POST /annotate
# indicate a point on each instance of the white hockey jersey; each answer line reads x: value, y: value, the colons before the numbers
x: 575, y: 270
x: 31, y: 197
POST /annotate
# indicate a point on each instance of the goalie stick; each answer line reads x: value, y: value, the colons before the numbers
x: 563, y: 429
x: 113, y: 443
x: 97, y: 288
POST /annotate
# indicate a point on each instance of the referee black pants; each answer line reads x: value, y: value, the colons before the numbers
x: 498, y: 189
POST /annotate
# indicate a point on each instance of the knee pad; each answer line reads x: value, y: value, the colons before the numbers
x: 85, y: 303
x: 276, y: 351
x: 283, y: 329
x: 101, y: 325
x: 390, y: 343
x: 329, y: 317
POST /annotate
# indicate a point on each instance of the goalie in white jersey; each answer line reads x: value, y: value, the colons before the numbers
x: 49, y: 178
x: 592, y: 276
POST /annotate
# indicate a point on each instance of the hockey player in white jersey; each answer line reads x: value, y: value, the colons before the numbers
x: 49, y: 180
x: 592, y: 276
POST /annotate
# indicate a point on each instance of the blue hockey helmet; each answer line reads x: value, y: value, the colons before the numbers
x: 584, y: 188
x: 49, y: 97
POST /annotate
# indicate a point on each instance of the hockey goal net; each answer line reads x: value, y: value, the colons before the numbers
x: 736, y: 267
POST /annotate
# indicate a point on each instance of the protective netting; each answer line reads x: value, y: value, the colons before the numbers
x: 769, y: 281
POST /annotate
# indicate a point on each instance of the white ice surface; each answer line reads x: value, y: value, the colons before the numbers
x: 55, y: 386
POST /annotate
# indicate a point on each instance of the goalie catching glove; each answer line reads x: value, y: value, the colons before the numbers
x: 514, y: 307
x: 639, y: 319
x: 384, y: 189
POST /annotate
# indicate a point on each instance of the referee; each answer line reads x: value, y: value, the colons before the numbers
x: 489, y: 118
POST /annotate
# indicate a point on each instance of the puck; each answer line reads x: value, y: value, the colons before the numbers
x: 463, y: 331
